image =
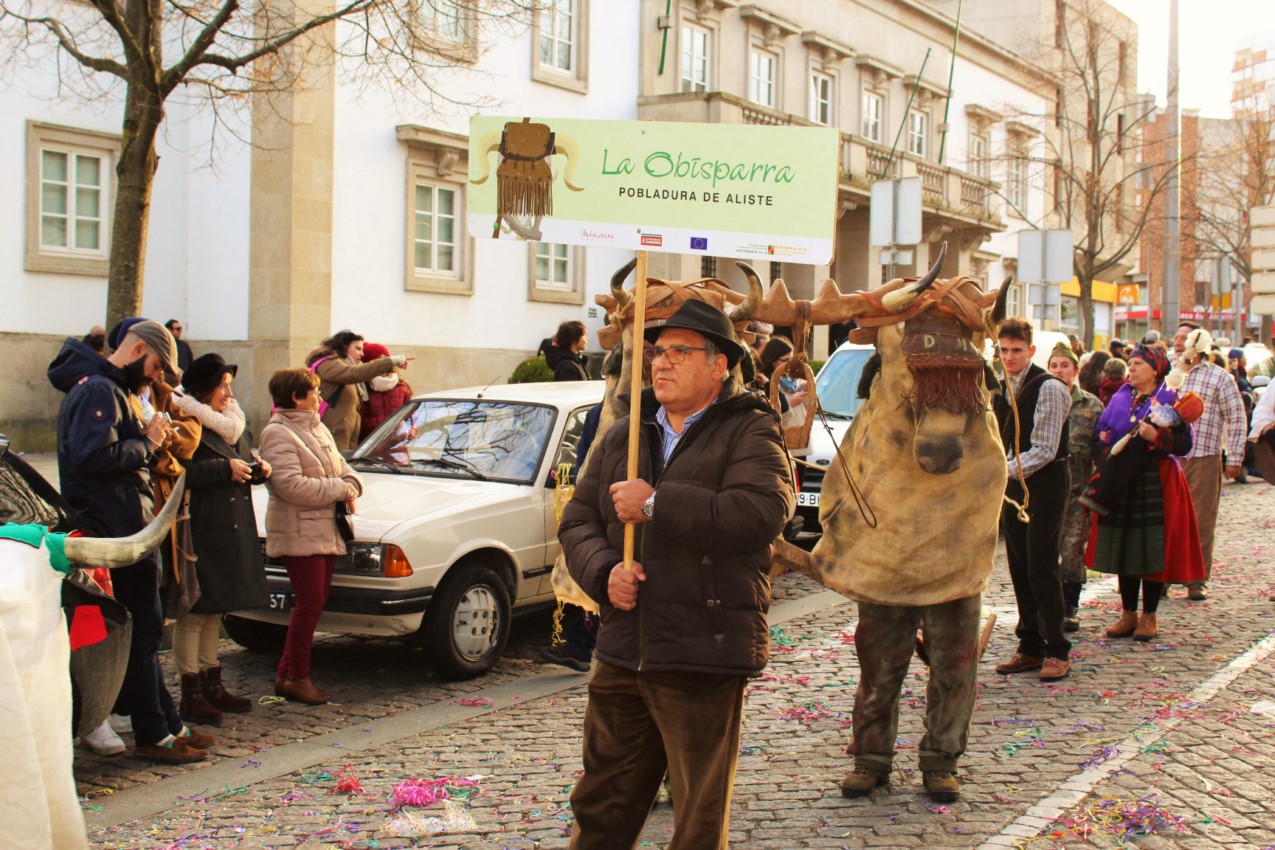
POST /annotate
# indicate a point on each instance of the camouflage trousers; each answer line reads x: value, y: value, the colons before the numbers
x: 1075, y: 537
x: 884, y: 642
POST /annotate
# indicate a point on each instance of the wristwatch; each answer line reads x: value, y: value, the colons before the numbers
x: 648, y: 507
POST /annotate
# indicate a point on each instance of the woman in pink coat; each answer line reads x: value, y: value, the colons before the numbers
x: 310, y: 487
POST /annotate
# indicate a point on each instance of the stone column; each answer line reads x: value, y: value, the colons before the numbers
x: 290, y: 248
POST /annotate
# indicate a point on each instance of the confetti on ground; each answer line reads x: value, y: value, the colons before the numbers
x: 347, y: 782
x: 427, y: 792
x: 1124, y: 819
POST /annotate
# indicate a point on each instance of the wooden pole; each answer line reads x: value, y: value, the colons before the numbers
x: 635, y: 393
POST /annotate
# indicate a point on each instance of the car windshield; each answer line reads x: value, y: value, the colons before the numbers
x: 484, y: 440
x: 838, y: 382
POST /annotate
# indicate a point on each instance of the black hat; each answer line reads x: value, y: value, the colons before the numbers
x: 204, y: 373
x: 703, y: 318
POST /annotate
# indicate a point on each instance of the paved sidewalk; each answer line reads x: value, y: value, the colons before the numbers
x: 1178, y: 734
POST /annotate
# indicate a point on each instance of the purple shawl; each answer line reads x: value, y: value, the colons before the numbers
x: 1115, y: 419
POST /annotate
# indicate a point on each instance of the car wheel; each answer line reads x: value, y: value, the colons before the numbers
x: 467, y: 624
x: 254, y: 634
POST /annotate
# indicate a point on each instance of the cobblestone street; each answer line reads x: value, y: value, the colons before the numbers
x: 1176, y: 736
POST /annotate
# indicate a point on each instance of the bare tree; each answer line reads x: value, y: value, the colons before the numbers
x: 1099, y: 188
x: 1237, y: 173
x: 226, y: 53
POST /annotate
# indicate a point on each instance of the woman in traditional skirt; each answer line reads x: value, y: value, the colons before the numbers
x: 1150, y: 537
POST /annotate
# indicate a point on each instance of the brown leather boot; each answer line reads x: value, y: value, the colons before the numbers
x: 223, y: 699
x: 303, y: 690
x: 1147, y: 628
x: 1125, y: 626
x: 193, y: 707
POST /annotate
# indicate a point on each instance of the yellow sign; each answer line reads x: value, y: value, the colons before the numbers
x: 1127, y: 294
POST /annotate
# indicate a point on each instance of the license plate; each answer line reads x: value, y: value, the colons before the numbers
x: 808, y: 500
x: 280, y: 602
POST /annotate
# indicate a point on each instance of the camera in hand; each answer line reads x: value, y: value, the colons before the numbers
x: 255, y: 476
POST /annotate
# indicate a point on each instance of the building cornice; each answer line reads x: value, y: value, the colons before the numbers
x: 833, y: 51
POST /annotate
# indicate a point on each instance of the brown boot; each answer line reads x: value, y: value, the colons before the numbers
x: 279, y: 680
x: 303, y: 690
x: 1147, y: 628
x: 1125, y: 626
x: 860, y: 781
x: 193, y: 707
x: 219, y: 696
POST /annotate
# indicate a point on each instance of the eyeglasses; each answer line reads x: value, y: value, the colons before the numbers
x: 675, y: 353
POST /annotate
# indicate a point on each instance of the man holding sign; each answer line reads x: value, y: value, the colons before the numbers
x: 684, y: 625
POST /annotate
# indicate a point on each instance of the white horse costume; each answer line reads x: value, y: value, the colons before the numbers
x: 39, y: 807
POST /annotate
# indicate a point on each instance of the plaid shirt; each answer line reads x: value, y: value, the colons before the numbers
x: 1223, y: 417
x: 1053, y: 404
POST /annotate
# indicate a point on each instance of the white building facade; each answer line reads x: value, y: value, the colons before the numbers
x: 346, y: 211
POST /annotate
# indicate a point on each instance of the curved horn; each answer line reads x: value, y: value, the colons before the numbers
x: 566, y: 146
x: 622, y: 298
x: 900, y: 298
x: 111, y: 552
x: 744, y: 311
x: 486, y: 145
x: 998, y: 307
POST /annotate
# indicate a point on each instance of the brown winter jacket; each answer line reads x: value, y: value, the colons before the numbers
x: 720, y: 503
x: 308, y: 476
x: 341, y: 386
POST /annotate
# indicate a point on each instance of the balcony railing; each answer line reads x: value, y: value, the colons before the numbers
x: 880, y: 166
x: 976, y: 194
x: 933, y: 183
x: 765, y: 116
x: 942, y: 188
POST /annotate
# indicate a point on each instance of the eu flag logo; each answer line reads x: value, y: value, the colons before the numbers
x: 699, y: 243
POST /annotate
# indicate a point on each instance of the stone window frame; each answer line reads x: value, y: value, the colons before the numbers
x: 41, y: 135
x: 574, y: 294
x: 924, y: 136
x: 576, y: 80
x: 833, y: 87
x: 755, y: 52
x: 883, y: 98
x: 439, y: 159
x: 464, y: 51
x: 710, y: 54
x: 978, y: 154
x: 825, y: 57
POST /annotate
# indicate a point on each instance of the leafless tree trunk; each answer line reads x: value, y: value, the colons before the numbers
x: 1089, y: 164
x: 225, y: 55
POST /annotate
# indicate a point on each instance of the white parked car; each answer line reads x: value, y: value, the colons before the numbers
x: 455, y: 530
x: 838, y: 386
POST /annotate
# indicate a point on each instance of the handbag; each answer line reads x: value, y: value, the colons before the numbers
x: 180, y: 586
x: 343, y: 526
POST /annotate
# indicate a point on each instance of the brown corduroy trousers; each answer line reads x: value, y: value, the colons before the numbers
x: 637, y: 726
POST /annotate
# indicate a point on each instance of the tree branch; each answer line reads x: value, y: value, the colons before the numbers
x: 66, y: 41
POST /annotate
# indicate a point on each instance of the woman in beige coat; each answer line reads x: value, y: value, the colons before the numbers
x: 338, y: 361
x: 309, y: 481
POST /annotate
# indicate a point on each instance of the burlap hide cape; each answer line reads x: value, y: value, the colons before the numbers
x: 524, y: 180
x: 935, y: 535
